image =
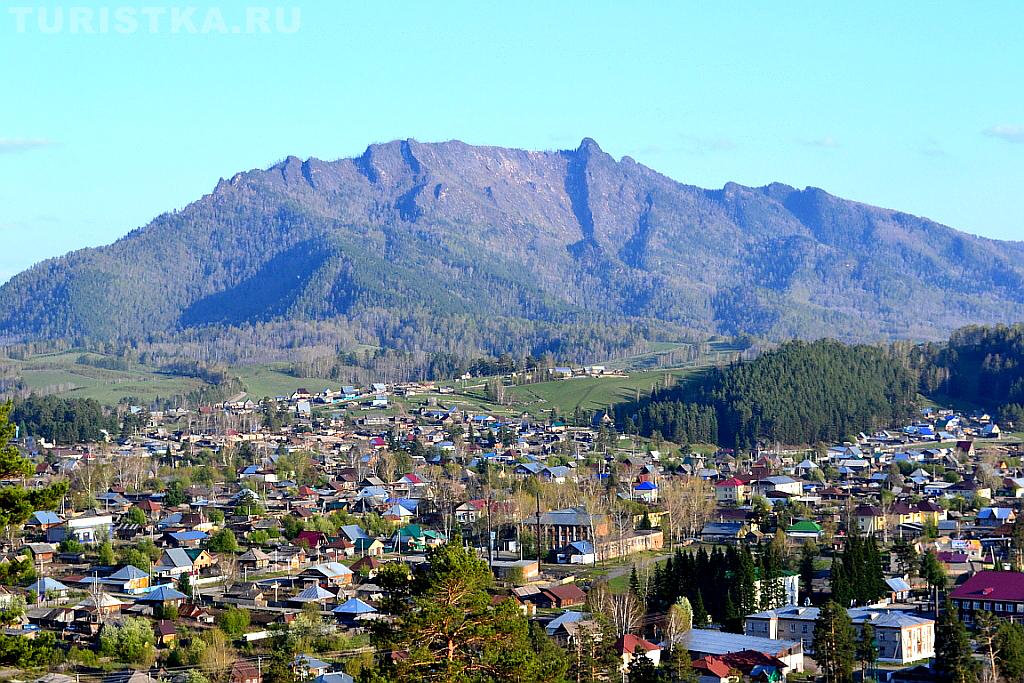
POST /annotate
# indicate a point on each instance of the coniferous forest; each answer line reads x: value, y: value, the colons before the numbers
x: 799, y: 393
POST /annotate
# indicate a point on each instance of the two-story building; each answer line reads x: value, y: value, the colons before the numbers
x: 901, y: 637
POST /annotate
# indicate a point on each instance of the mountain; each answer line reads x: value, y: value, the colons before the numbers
x: 411, y: 232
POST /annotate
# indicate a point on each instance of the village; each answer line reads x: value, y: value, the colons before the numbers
x: 249, y: 518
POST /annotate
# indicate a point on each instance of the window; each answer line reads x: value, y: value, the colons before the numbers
x: 999, y: 607
x: 977, y: 605
x: 988, y: 605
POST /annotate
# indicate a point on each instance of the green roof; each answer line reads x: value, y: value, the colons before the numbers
x: 806, y: 526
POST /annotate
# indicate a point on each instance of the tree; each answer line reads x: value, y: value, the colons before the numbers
x: 933, y: 572
x: 185, y: 584
x: 233, y: 621
x: 988, y: 644
x: 106, y: 553
x: 641, y: 668
x: 17, y: 503
x: 452, y: 633
x: 906, y: 557
x: 954, y: 659
x: 136, y: 516
x: 223, y: 541
x: 807, y: 554
x: 867, y: 651
x: 130, y: 642
x: 1010, y: 650
x: 217, y: 657
x: 834, y: 646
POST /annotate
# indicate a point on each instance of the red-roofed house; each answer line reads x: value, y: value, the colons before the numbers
x: 626, y: 645
x: 1001, y: 593
x: 711, y: 669
x: 732, y: 491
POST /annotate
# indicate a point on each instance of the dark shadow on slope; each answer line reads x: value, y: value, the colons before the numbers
x: 266, y: 294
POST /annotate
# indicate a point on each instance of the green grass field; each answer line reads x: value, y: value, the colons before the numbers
x: 594, y: 393
x: 62, y: 374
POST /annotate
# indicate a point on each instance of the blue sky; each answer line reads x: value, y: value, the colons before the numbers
x: 915, y: 106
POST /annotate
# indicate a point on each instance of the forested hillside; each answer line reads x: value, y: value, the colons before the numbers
x: 799, y: 393
x: 980, y: 365
x: 451, y: 248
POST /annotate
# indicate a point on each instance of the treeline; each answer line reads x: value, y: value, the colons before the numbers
x: 722, y: 585
x: 62, y: 420
x: 979, y: 364
x: 798, y: 393
x: 856, y: 577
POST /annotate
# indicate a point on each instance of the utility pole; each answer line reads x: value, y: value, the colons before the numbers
x: 537, y: 494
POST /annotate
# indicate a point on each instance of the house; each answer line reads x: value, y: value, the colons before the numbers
x: 243, y: 671
x: 307, y: 666
x: 869, y: 519
x: 646, y: 491
x: 899, y: 589
x: 723, y: 532
x: 127, y: 579
x: 558, y: 528
x: 577, y: 552
x: 779, y: 484
x: 85, y: 529
x: 329, y: 574
x: 43, y: 520
x: 353, y: 610
x: 166, y: 632
x: 732, y: 491
x: 804, y: 529
x: 629, y: 646
x: 561, y: 596
x: 710, y: 669
x: 901, y: 637
x: 253, y: 560
x: 1001, y: 593
x: 173, y: 562
x: 993, y: 517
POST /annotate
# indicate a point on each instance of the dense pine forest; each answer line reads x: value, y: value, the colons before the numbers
x: 981, y: 365
x: 799, y: 393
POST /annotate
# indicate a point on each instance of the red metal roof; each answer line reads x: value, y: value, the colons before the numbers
x: 992, y: 585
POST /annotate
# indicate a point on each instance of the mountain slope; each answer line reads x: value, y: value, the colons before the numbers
x: 450, y: 229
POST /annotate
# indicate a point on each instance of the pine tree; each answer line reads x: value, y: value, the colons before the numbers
x: 867, y: 651
x: 807, y: 555
x: 642, y: 669
x: 700, y: 614
x: 1010, y: 649
x: 834, y: 646
x: 954, y: 661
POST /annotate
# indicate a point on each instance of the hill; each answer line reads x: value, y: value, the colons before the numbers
x: 454, y: 248
x: 799, y: 393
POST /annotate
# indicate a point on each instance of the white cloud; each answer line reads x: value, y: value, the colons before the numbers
x: 12, y: 145
x: 1006, y: 131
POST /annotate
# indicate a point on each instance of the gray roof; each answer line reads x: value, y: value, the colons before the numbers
x: 719, y: 643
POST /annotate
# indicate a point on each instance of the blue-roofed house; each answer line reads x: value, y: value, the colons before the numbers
x: 186, y: 539
x: 353, y: 610
x: 313, y: 593
x: 162, y: 595
x: 46, y: 588
x: 567, y: 617
x: 41, y: 520
x: 127, y: 579
x: 995, y: 517
x: 647, y: 491
x: 307, y: 666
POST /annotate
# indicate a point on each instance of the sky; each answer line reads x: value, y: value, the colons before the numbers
x: 114, y: 113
